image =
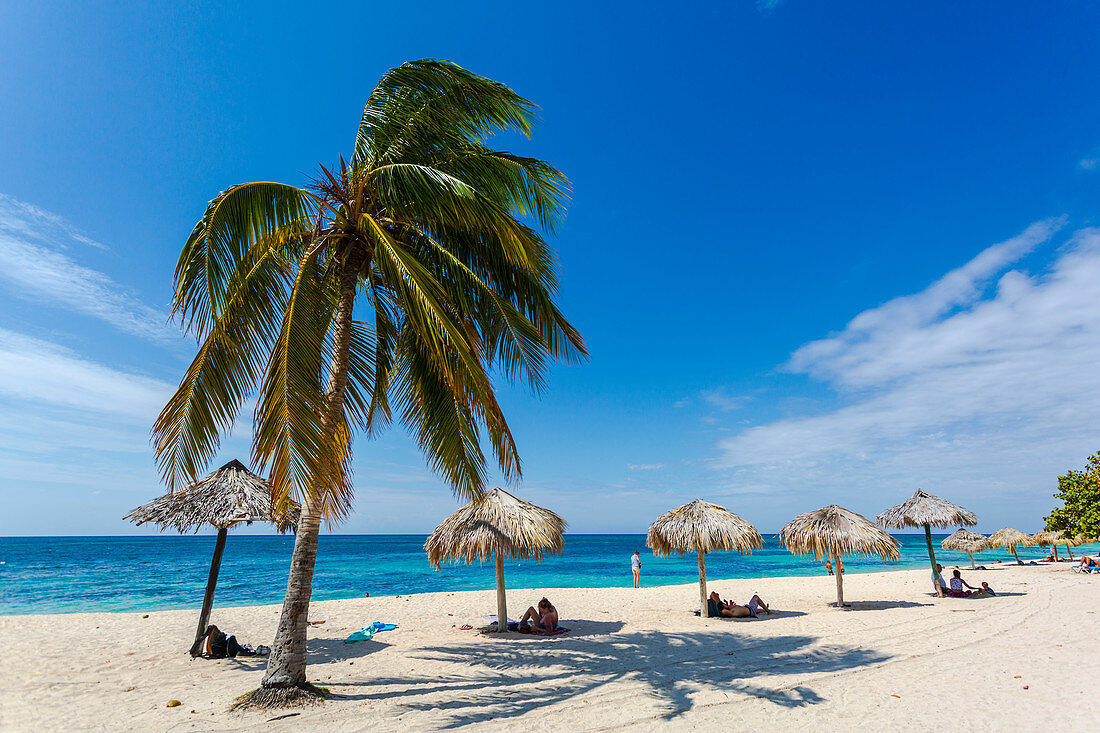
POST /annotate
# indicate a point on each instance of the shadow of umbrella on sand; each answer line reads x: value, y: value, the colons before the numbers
x: 925, y: 510
x: 496, y: 525
x: 834, y: 531
x: 963, y: 540
x: 228, y: 496
x: 701, y: 527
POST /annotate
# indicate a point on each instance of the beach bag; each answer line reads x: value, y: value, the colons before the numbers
x: 217, y: 646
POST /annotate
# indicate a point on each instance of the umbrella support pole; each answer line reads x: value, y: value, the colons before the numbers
x: 702, y: 584
x: 502, y: 599
x: 1018, y: 560
x: 211, y: 582
x: 1055, y: 548
x: 932, y: 559
x: 972, y: 565
x: 839, y: 581
x: 1069, y: 552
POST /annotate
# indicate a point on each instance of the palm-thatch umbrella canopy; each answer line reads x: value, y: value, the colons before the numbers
x: 1010, y: 539
x: 228, y: 496
x: 701, y: 527
x: 1053, y: 539
x: 1050, y: 539
x: 966, y: 541
x: 496, y: 525
x: 834, y: 531
x: 924, y: 510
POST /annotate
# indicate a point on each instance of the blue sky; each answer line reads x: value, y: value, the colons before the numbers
x: 821, y: 252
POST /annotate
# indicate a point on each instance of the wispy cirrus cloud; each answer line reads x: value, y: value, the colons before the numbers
x: 985, y: 396
x: 645, y: 466
x: 721, y: 399
x: 35, y: 265
x: 41, y: 374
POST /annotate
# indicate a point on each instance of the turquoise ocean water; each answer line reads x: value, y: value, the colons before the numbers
x: 73, y: 574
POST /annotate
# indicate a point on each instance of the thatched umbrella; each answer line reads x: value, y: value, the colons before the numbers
x: 229, y: 496
x: 1010, y: 539
x: 834, y: 531
x: 701, y: 527
x: 1048, y: 539
x: 1072, y: 541
x: 966, y: 541
x: 924, y: 510
x: 499, y: 525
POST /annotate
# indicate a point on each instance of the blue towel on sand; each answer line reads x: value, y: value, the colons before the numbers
x: 367, y: 632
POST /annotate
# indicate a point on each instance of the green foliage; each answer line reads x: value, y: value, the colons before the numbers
x: 1080, y: 494
x: 392, y: 286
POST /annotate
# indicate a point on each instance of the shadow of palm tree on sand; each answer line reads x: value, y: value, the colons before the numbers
x: 502, y: 679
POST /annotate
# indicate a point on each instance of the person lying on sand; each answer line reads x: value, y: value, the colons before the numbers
x: 957, y: 584
x: 545, y: 617
x: 717, y: 607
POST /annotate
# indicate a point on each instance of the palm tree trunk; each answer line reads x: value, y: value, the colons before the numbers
x: 502, y: 599
x: 287, y: 666
x: 932, y: 559
x: 702, y: 583
x: 211, y: 583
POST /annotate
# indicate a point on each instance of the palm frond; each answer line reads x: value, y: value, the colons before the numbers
x: 289, y: 435
x: 186, y: 434
x: 420, y: 101
x: 233, y: 222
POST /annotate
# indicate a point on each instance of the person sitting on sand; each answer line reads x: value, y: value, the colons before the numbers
x: 717, y: 607
x: 939, y: 579
x: 957, y: 584
x: 1050, y: 556
x: 546, y: 617
x: 986, y: 589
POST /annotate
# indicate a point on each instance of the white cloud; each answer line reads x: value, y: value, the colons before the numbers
x: 1089, y: 164
x: 645, y: 466
x: 33, y: 265
x: 41, y: 374
x: 985, y: 398
x: 722, y: 400
x: 27, y: 221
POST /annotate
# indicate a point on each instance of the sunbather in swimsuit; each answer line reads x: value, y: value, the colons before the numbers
x: 957, y: 584
x: 545, y: 617
x: 717, y: 607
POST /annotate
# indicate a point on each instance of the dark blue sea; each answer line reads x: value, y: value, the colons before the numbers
x: 73, y: 574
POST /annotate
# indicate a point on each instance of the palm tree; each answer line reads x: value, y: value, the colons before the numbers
x: 433, y: 240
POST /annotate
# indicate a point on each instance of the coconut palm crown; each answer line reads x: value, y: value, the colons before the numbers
x: 388, y: 287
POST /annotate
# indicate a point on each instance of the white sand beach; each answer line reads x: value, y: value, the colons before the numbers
x: 900, y: 659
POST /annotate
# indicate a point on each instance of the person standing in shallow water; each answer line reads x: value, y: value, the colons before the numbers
x: 636, y: 568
